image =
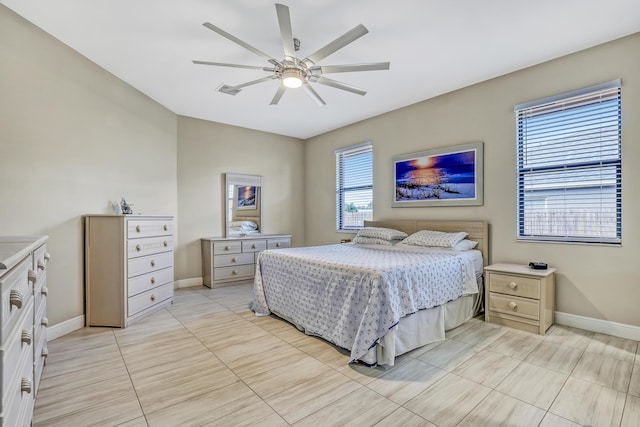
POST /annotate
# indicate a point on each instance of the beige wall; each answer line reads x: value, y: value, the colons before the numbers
x: 73, y: 138
x: 594, y: 281
x: 207, y: 150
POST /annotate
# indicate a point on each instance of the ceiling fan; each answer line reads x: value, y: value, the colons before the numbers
x: 293, y: 72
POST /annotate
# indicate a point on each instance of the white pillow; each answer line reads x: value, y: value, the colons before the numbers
x: 465, y: 245
x: 437, y: 239
x: 372, y: 241
x: 382, y: 233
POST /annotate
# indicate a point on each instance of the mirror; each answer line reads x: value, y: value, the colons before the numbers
x: 243, y: 210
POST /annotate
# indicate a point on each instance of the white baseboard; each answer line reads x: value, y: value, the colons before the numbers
x: 598, y: 325
x: 64, y: 328
x: 188, y: 283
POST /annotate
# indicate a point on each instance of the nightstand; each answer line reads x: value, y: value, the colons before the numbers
x: 520, y: 297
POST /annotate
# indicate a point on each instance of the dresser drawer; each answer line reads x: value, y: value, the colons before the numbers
x: 234, y: 247
x: 41, y: 292
x: 514, y: 285
x: 149, y: 298
x: 278, y: 243
x: 254, y: 245
x: 40, y: 356
x: 16, y: 295
x: 147, y: 228
x: 40, y: 258
x: 149, y: 280
x: 233, y: 259
x: 148, y: 246
x: 19, y: 394
x: 18, y: 346
x: 233, y: 273
x: 138, y: 266
x: 516, y: 306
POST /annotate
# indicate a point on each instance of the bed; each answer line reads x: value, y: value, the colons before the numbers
x: 377, y: 302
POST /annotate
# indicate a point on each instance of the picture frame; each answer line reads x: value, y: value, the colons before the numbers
x: 448, y: 176
x: 247, y: 197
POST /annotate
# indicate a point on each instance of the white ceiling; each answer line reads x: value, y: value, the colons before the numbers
x: 434, y: 46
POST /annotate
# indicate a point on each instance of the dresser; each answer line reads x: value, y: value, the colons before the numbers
x: 226, y: 260
x: 23, y: 348
x: 128, y: 267
x: 520, y: 297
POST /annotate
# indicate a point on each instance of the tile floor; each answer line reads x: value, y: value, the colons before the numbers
x: 207, y: 360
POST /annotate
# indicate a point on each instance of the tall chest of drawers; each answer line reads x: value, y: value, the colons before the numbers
x: 226, y: 260
x: 23, y: 348
x: 128, y: 267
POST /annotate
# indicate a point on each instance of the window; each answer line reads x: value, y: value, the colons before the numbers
x: 354, y: 186
x: 569, y: 167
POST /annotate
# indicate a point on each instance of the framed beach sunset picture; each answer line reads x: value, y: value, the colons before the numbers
x: 450, y: 176
x: 247, y: 197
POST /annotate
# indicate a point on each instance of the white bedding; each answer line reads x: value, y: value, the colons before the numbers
x: 353, y: 295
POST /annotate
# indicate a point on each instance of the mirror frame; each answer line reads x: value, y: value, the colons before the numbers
x: 242, y: 180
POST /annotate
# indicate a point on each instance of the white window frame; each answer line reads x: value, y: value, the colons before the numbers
x: 341, y: 190
x: 582, y: 180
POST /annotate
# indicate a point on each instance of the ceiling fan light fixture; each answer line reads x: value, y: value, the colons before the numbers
x: 292, y: 78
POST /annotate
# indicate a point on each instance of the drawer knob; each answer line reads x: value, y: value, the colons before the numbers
x: 47, y: 256
x: 226, y: 248
x: 153, y: 297
x: 234, y: 272
x: 138, y: 248
x: 513, y: 306
x: 44, y: 291
x: 165, y: 243
x: 153, y: 263
x: 253, y: 246
x: 44, y: 321
x: 153, y: 280
x: 277, y: 245
x: 513, y: 285
x: 15, y: 298
x: 26, y: 337
x: 234, y: 259
x: 45, y: 352
x: 41, y: 265
x: 32, y: 276
x: 165, y: 227
x: 138, y: 228
x: 25, y: 385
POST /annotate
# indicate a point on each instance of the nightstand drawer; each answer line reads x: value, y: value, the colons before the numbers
x: 515, y: 306
x: 514, y: 285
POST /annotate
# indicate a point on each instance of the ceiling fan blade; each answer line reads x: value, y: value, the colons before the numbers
x: 374, y: 66
x: 236, y: 40
x: 348, y: 37
x: 222, y: 64
x: 284, y: 21
x: 276, y: 98
x: 253, y: 82
x: 313, y: 94
x: 338, y: 85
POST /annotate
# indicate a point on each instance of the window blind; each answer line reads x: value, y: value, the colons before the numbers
x: 569, y: 167
x: 354, y: 186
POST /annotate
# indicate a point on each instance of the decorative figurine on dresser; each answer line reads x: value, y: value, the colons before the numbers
x: 128, y: 267
x: 23, y: 335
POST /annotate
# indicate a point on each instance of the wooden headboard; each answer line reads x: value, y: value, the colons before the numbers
x: 478, y: 230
